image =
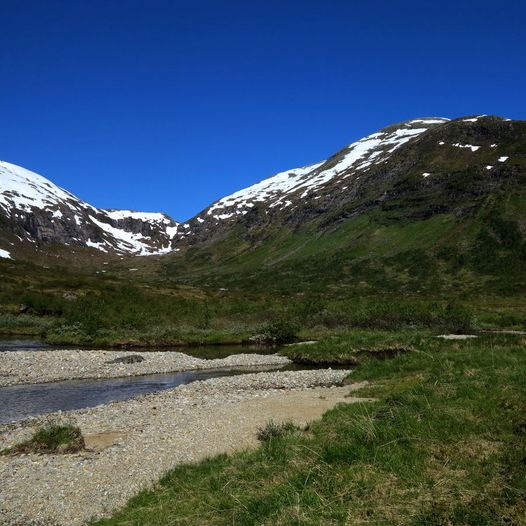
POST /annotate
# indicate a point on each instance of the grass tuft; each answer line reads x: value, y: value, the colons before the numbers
x: 55, y: 437
x: 273, y: 430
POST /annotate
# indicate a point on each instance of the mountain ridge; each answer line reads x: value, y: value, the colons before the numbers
x: 37, y: 211
x: 412, y: 160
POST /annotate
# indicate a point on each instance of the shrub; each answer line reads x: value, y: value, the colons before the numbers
x: 457, y: 319
x: 281, y: 331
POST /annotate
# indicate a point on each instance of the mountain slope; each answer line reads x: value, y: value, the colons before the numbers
x: 418, y: 201
x: 444, y: 207
x: 285, y: 192
x: 34, y: 210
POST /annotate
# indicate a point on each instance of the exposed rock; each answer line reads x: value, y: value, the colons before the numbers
x: 131, y: 358
x: 69, y: 296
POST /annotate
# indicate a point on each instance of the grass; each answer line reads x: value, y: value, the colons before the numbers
x: 444, y: 444
x: 357, y: 346
x: 55, y: 437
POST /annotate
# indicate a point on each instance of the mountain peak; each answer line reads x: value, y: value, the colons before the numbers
x: 37, y: 210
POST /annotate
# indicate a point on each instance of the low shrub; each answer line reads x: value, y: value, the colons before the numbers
x: 281, y: 331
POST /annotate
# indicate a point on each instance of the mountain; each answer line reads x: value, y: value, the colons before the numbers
x: 425, y: 204
x: 285, y: 194
x: 35, y: 211
x: 429, y: 203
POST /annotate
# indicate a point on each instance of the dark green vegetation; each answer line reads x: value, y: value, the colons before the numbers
x: 55, y: 437
x: 358, y: 347
x: 443, y: 444
x: 113, y: 312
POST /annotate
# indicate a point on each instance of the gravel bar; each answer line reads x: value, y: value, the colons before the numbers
x: 132, y: 443
x: 21, y: 367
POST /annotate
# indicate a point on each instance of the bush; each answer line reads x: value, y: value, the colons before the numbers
x: 457, y: 319
x: 281, y: 331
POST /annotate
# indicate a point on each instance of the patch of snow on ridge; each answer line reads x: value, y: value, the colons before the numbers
x: 275, y: 185
x: 470, y: 146
x: 143, y: 216
x: 5, y: 254
x: 474, y: 119
x: 426, y: 174
x: 438, y: 120
x: 503, y: 159
x: 126, y: 241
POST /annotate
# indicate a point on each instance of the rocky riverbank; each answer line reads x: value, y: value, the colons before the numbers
x: 29, y: 367
x: 132, y: 443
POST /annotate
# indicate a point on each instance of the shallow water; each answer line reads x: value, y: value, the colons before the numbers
x: 21, y: 401
x: 17, y: 343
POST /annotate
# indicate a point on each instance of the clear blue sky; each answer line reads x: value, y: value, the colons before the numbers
x: 168, y: 105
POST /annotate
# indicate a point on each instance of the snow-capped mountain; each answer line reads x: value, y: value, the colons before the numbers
x: 411, y: 170
x: 287, y: 190
x: 36, y: 210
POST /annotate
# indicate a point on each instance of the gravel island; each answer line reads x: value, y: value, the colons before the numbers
x: 31, y: 367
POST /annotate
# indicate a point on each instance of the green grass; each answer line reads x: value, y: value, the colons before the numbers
x: 24, y: 324
x: 357, y: 346
x: 444, y: 444
x: 55, y: 437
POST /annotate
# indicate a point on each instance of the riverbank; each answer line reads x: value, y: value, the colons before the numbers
x: 133, y: 442
x: 22, y: 367
x: 443, y: 443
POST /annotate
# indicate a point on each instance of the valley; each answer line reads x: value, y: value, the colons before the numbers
x: 191, y: 357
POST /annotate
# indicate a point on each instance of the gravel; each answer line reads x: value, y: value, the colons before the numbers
x: 134, y: 442
x: 23, y: 367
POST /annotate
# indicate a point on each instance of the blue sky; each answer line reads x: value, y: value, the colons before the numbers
x: 168, y: 105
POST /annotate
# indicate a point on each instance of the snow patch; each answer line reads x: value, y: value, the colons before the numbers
x: 5, y: 254
x: 98, y: 246
x: 474, y: 119
x: 154, y: 217
x: 470, y: 146
x: 503, y: 159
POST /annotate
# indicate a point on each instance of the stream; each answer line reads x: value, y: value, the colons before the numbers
x: 22, y: 401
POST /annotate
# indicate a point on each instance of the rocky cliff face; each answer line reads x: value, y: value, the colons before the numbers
x: 34, y: 210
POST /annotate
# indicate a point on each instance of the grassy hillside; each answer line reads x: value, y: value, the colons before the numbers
x: 396, y: 247
x: 365, y: 272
